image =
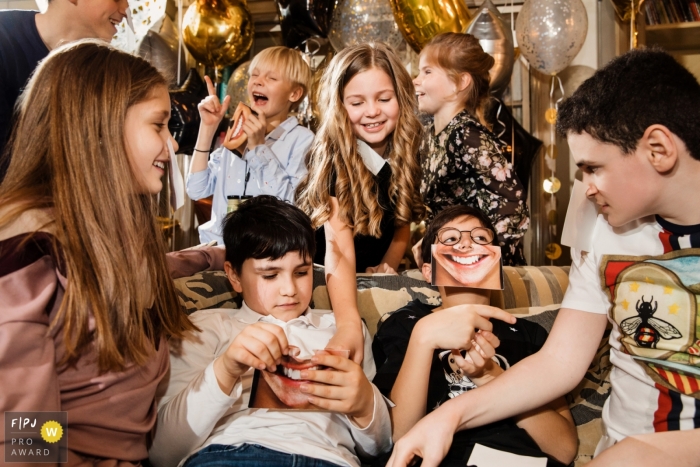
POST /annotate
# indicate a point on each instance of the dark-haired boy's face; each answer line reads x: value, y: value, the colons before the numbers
x: 625, y: 187
x: 281, y: 288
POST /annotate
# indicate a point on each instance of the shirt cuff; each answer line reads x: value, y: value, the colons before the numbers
x: 217, y: 395
x: 378, y: 401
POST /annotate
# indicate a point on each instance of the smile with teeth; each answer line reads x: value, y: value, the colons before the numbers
x: 372, y: 125
x: 292, y: 373
x: 465, y: 260
x: 159, y: 164
x: 259, y: 97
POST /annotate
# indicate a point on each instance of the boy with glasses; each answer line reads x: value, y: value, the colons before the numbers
x: 427, y: 355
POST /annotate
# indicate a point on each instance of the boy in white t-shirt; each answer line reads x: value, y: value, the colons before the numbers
x: 633, y: 130
x: 203, y: 414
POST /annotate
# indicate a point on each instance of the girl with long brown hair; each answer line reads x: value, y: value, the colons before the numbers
x: 463, y: 162
x: 87, y: 301
x: 362, y: 188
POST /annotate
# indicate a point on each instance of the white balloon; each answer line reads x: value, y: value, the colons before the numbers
x: 551, y: 32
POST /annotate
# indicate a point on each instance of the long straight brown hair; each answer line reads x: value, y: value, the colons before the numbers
x: 69, y: 158
x: 334, y: 150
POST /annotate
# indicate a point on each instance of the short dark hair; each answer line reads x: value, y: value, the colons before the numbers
x: 266, y: 227
x: 634, y: 91
x: 446, y: 215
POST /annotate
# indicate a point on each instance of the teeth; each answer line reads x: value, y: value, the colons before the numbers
x: 160, y: 165
x: 372, y: 125
x: 466, y: 261
x: 237, y: 129
x: 295, y: 374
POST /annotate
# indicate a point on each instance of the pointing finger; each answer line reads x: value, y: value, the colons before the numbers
x: 210, y: 86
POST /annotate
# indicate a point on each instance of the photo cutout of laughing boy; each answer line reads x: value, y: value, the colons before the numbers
x: 280, y: 389
x: 464, y: 255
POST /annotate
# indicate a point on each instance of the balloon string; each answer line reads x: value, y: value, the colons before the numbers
x: 179, y: 40
x: 561, y: 89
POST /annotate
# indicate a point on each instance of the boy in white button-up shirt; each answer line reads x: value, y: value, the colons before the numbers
x: 203, y: 414
x: 273, y: 159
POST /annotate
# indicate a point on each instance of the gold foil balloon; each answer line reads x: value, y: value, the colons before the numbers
x: 421, y: 20
x: 551, y: 32
x: 553, y: 217
x: 359, y: 21
x: 237, y: 86
x: 551, y: 185
x: 552, y: 251
x: 218, y: 32
x: 552, y: 151
x: 496, y: 39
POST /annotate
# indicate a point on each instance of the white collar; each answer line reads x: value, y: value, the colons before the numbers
x: 316, y: 318
x: 373, y: 161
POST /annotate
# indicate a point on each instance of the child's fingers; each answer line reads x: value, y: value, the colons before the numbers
x: 490, y: 338
x: 466, y: 365
x: 224, y: 105
x: 332, y: 361
x: 493, y: 312
x: 484, y: 346
x: 211, y: 89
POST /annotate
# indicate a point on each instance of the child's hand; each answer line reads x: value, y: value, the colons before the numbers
x: 455, y: 327
x: 260, y: 345
x: 349, y: 337
x: 211, y: 111
x: 478, y: 361
x: 255, y: 127
x: 383, y: 268
x: 345, y: 388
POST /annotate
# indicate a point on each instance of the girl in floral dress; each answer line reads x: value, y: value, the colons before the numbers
x: 463, y: 162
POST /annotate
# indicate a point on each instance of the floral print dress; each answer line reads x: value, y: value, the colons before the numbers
x: 463, y: 164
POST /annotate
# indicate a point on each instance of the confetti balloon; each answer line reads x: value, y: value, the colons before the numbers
x: 551, y: 32
x: 359, y: 21
x: 218, y: 33
x: 496, y: 39
x: 421, y: 20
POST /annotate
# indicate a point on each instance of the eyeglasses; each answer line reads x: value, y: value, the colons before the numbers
x: 450, y: 236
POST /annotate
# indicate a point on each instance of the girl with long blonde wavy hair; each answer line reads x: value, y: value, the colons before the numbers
x: 87, y: 300
x: 362, y: 190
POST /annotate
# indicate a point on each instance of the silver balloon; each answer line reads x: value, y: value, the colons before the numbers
x: 359, y: 21
x: 237, y: 86
x: 551, y: 32
x: 160, y: 50
x: 496, y: 39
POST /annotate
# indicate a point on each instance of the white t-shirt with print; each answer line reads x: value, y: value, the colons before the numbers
x: 646, y: 278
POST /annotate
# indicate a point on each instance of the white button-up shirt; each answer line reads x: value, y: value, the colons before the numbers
x: 193, y: 412
x: 274, y: 168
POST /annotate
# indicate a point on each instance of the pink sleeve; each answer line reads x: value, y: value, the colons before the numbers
x: 28, y: 379
x: 187, y: 262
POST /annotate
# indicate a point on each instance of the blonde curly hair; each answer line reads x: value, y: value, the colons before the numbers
x: 334, y: 153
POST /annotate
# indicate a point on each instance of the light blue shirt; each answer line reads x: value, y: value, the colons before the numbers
x: 274, y: 168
